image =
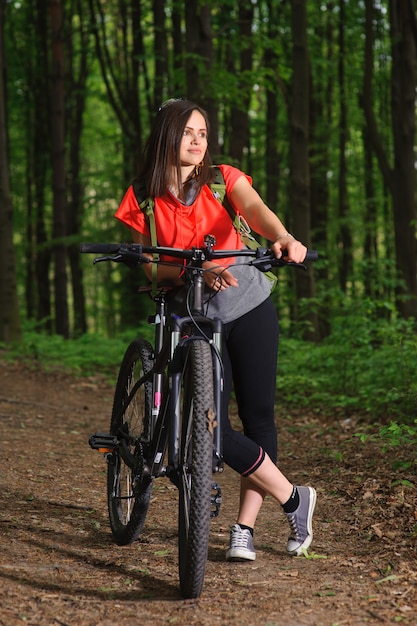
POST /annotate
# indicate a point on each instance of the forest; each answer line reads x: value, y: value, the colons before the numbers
x: 316, y: 100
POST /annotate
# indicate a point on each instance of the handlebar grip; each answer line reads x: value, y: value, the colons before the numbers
x: 100, y: 248
x: 312, y: 255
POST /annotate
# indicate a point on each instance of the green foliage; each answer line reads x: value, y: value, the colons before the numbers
x: 394, y: 435
x: 88, y: 355
x: 367, y: 365
x: 399, y: 434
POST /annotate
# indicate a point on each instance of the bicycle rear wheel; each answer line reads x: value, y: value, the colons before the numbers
x: 196, y: 458
x: 128, y: 490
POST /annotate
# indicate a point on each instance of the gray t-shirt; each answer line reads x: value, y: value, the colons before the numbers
x: 254, y: 287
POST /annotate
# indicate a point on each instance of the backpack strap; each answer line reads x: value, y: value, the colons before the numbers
x: 218, y: 187
x: 147, y: 204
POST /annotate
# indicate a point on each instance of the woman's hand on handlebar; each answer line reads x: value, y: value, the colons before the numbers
x: 217, y: 277
x: 295, y: 251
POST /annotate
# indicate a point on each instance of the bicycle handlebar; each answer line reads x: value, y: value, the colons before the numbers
x: 263, y: 258
x: 100, y: 248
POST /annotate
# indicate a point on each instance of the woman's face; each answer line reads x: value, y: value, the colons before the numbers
x: 194, y: 140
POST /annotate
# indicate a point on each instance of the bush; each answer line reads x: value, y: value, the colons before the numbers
x: 368, y: 365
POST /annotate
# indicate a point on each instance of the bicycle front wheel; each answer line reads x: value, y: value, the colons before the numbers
x: 128, y: 490
x: 196, y: 459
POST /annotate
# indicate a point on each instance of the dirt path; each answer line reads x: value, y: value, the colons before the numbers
x: 59, y: 566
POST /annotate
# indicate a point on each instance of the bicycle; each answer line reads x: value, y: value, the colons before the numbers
x: 166, y: 418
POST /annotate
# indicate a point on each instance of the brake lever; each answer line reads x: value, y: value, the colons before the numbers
x: 129, y: 258
x: 300, y: 266
x: 116, y: 258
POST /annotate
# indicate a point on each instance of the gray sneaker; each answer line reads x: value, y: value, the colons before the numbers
x: 241, y: 545
x: 300, y: 522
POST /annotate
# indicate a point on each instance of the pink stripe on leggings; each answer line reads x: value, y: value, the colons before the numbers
x: 257, y: 463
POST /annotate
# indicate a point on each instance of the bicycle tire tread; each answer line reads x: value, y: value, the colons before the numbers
x: 193, y: 547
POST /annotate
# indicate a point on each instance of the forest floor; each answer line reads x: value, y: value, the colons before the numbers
x: 59, y: 566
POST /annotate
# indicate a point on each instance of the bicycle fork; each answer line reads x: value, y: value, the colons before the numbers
x: 180, y: 352
x: 178, y: 356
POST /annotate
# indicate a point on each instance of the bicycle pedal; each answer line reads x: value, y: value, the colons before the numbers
x: 215, y: 499
x: 103, y: 443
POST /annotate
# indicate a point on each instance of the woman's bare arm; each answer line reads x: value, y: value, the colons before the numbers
x: 169, y: 273
x: 264, y: 221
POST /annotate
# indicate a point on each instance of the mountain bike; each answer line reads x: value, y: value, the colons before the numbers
x: 166, y: 416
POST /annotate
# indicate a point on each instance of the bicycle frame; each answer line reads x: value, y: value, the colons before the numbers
x: 175, y: 352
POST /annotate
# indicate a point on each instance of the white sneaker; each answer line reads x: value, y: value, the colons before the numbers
x: 301, y: 522
x: 241, y: 545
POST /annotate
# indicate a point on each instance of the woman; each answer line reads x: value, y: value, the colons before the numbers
x: 177, y: 171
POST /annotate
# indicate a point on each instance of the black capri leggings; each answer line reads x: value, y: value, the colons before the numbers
x: 250, y: 351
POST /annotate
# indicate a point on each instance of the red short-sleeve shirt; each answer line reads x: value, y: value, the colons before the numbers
x: 181, y: 226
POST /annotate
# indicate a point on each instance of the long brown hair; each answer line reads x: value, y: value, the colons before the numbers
x: 162, y: 150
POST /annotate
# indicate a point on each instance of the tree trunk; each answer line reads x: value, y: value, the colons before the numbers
x: 272, y: 157
x: 39, y: 254
x: 201, y: 88
x: 59, y: 226
x: 370, y: 279
x: 178, y: 51
x: 321, y: 112
x: 299, y: 164
x: 160, y: 51
x: 403, y: 85
x: 370, y: 249
x: 345, y: 241
x: 240, y: 111
x: 76, y: 96
x: 321, y: 116
x: 9, y: 311
x: 400, y: 179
